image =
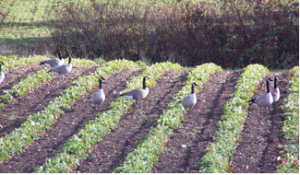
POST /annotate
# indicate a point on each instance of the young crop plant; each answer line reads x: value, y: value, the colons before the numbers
x: 33, y: 81
x: 31, y: 129
x: 143, y: 158
x: 82, y: 144
x: 234, y: 115
x: 289, y: 154
x: 13, y: 61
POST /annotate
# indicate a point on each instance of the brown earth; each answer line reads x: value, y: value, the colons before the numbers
x: 257, y: 152
x: 134, y: 126
x: 16, y: 112
x: 67, y: 125
x: 189, y: 141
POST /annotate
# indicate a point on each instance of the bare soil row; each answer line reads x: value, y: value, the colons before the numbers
x: 255, y: 153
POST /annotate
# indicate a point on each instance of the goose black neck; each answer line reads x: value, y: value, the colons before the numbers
x: 0, y: 67
x: 268, y: 88
x: 59, y: 55
x: 144, y: 83
x: 100, y: 84
x: 275, y: 83
x: 192, y: 88
x: 69, y: 60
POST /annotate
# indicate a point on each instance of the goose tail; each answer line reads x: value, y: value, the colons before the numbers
x: 251, y: 101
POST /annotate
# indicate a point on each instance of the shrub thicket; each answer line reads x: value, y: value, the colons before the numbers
x: 230, y: 33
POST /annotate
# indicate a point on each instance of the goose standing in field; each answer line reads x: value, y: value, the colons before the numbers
x: 264, y: 100
x: 2, y: 75
x: 54, y: 62
x: 98, y: 97
x: 61, y: 70
x: 137, y: 94
x: 191, y: 100
x: 276, y: 91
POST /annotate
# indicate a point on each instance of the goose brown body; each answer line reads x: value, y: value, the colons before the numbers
x: 191, y: 100
x: 276, y: 91
x: 54, y: 62
x: 137, y: 94
x: 61, y: 70
x: 264, y: 100
x: 98, y: 97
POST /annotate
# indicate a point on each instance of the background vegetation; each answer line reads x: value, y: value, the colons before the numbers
x: 230, y: 33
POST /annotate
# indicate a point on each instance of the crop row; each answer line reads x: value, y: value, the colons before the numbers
x: 81, y: 145
x: 33, y: 81
x: 234, y: 115
x: 36, y: 125
x: 143, y: 158
x: 13, y: 62
x: 289, y: 159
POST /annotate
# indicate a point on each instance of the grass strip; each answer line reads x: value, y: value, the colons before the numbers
x: 143, y: 158
x: 31, y: 82
x: 81, y: 145
x: 38, y: 124
x: 235, y: 112
x: 289, y: 155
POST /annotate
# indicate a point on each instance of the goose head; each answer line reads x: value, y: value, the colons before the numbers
x: 101, y: 79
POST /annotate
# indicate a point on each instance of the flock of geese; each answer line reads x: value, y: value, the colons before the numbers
x: 264, y: 100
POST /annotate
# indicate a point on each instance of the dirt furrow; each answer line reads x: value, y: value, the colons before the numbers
x: 189, y: 141
x: 17, y: 75
x: 257, y: 152
x: 16, y: 112
x: 134, y: 126
x: 67, y: 125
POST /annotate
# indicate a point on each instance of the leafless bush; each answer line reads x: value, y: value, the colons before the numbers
x: 231, y: 33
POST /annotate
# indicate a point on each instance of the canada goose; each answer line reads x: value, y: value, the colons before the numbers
x: 137, y: 94
x: 191, y: 100
x: 61, y: 70
x: 98, y: 97
x: 2, y: 75
x: 276, y: 91
x: 54, y: 62
x: 264, y: 100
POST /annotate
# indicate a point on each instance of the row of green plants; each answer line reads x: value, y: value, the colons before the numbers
x: 143, y: 158
x: 32, y: 82
x: 36, y: 125
x: 12, y: 62
x: 231, y: 125
x: 82, y: 144
x: 288, y: 161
